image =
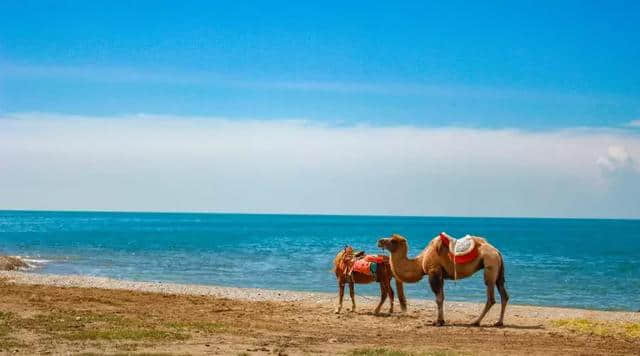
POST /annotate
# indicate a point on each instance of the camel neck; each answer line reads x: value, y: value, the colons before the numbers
x: 406, y: 269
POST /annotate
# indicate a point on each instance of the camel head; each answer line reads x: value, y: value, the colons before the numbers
x: 393, y: 243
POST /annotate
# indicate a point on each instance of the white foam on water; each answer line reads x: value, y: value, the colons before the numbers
x: 33, y: 262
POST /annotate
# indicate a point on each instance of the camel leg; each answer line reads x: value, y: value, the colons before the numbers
x: 504, y: 296
x: 436, y: 281
x: 401, y: 298
x: 340, y: 295
x: 390, y: 295
x: 352, y: 294
x: 491, y: 298
x: 383, y: 297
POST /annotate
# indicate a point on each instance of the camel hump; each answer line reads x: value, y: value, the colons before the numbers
x: 463, y: 246
x: 461, y: 250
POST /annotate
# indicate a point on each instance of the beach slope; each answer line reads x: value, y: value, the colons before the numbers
x: 79, y: 314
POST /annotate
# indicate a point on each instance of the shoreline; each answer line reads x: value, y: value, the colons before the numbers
x: 309, y: 298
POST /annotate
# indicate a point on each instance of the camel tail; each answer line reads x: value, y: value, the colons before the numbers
x: 337, y: 260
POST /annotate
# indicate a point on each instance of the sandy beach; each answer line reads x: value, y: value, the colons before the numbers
x: 80, y: 314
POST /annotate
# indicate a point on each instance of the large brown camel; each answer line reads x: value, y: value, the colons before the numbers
x: 436, y: 262
x: 342, y: 266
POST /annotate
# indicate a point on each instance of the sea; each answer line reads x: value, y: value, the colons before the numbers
x: 581, y: 263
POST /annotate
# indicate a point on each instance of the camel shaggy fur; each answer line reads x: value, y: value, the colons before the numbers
x: 436, y: 262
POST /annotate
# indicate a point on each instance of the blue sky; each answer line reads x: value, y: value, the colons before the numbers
x: 530, y: 65
x: 503, y: 109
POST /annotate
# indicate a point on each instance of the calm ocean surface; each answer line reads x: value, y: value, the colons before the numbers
x: 558, y: 262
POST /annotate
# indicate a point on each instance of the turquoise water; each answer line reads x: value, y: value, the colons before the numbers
x: 559, y: 262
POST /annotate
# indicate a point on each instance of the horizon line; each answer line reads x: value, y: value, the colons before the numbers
x: 209, y: 212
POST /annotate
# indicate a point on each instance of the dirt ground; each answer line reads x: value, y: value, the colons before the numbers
x: 38, y: 319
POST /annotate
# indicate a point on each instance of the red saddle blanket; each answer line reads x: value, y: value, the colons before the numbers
x: 368, y: 264
x: 461, y: 251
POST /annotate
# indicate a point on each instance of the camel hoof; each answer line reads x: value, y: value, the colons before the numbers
x: 337, y: 311
x: 438, y: 323
x: 498, y: 324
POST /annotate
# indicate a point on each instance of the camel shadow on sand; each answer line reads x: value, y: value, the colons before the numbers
x: 489, y: 326
x: 447, y: 325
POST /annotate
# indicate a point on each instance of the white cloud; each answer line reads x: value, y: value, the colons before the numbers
x: 635, y: 123
x: 622, y: 177
x: 163, y: 163
x: 617, y: 158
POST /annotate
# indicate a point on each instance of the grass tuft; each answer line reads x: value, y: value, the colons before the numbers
x: 601, y: 328
x: 125, y: 334
x: 79, y: 326
x: 5, y: 323
x: 632, y: 330
x: 387, y: 352
x: 126, y: 354
x: 202, y: 326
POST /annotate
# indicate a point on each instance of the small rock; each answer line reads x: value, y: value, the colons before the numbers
x: 207, y: 345
x: 9, y: 263
x: 333, y: 340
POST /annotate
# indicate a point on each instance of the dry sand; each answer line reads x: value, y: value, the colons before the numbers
x: 68, y: 314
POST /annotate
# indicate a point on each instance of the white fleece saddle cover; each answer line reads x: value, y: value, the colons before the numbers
x: 462, y: 246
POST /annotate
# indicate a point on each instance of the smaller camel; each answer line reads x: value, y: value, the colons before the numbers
x: 436, y: 262
x: 343, y: 268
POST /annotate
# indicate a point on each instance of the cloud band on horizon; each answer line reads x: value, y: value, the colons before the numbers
x: 165, y: 163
